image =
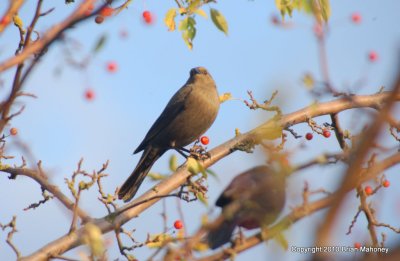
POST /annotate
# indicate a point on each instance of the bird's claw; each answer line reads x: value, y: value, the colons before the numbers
x: 199, y: 152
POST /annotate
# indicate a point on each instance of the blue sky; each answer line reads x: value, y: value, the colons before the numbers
x: 61, y: 126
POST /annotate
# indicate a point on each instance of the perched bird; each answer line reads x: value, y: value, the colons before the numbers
x: 188, y: 114
x: 253, y: 199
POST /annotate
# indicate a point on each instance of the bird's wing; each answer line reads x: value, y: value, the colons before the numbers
x: 173, y: 108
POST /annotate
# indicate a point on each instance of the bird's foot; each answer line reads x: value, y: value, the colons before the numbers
x: 199, y: 152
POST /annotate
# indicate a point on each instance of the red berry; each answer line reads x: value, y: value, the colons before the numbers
x: 99, y: 19
x: 356, y: 18
x: 204, y: 140
x: 368, y: 190
x: 326, y: 133
x: 357, y: 245
x: 178, y: 224
x: 13, y: 131
x: 112, y: 67
x: 147, y: 17
x: 386, y: 183
x: 373, y: 56
x: 89, y: 94
x: 106, y: 11
x: 309, y: 136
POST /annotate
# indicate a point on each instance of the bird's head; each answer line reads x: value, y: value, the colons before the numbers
x: 198, y: 73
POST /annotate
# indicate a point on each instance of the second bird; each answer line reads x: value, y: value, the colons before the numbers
x: 189, y: 113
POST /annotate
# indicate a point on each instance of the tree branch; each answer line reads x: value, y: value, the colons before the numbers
x: 45, y: 183
x: 124, y: 214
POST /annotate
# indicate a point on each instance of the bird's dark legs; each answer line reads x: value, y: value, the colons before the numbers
x: 197, y: 152
x: 181, y: 151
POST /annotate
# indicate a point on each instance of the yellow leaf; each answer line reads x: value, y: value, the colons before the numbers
x: 270, y: 130
x: 308, y: 81
x: 201, y: 12
x: 204, y: 220
x: 237, y: 132
x: 18, y: 22
x: 169, y: 19
x: 181, y: 234
x: 225, y: 97
x: 158, y: 240
x: 200, y: 247
x: 182, y: 10
x: 93, y: 238
x: 219, y: 20
x: 194, y: 166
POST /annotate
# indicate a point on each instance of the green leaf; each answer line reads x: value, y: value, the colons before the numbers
x: 282, y: 241
x: 325, y: 9
x: 100, y: 43
x: 195, y: 167
x: 187, y: 26
x: 173, y: 162
x: 194, y: 4
x: 213, y: 174
x: 156, y: 176
x: 202, y: 199
x: 219, y: 20
x: 169, y: 19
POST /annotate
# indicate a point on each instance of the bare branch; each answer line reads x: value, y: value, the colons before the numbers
x: 161, y: 190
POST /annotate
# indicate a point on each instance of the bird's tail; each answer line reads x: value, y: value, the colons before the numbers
x: 132, y: 184
x: 222, y: 234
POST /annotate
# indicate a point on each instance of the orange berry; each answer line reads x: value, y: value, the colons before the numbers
x: 356, y: 18
x: 178, y: 224
x: 386, y: 183
x: 357, y: 245
x: 5, y: 20
x: 147, y: 17
x: 13, y: 131
x: 204, y: 140
x: 106, y: 11
x: 368, y: 190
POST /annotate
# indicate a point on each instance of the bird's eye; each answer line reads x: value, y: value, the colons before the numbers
x: 198, y: 70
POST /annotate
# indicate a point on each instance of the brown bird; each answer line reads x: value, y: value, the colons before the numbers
x: 253, y: 199
x: 189, y: 113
